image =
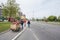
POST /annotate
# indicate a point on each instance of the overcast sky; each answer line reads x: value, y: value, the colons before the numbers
x: 39, y: 8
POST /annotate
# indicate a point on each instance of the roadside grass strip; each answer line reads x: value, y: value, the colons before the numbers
x: 4, y: 26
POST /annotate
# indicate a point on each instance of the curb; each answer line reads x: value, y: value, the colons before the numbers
x: 4, y: 31
x: 54, y: 23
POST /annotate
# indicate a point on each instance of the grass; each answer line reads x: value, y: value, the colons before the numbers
x: 4, y: 26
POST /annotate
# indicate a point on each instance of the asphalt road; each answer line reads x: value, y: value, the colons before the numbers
x: 41, y: 31
x: 8, y: 35
x: 37, y: 31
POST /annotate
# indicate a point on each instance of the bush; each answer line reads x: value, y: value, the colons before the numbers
x: 52, y: 18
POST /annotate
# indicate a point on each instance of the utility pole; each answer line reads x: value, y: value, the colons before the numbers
x: 33, y: 18
x: 33, y: 12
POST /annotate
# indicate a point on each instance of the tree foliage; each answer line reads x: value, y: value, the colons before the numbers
x: 52, y: 18
x: 10, y: 9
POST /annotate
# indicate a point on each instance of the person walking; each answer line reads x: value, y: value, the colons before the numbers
x: 28, y: 23
x: 22, y: 22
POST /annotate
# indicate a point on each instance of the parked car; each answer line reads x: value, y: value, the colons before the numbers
x: 0, y: 20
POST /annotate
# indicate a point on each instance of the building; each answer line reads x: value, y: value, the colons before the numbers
x: 0, y: 11
x: 20, y: 14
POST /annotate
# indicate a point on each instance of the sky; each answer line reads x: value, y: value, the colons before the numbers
x: 38, y: 8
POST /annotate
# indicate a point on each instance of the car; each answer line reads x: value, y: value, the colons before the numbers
x: 0, y: 20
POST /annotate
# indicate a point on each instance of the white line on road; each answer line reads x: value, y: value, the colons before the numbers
x: 19, y: 34
x: 34, y: 35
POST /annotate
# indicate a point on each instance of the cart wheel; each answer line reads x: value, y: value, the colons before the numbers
x: 17, y: 30
x: 13, y: 30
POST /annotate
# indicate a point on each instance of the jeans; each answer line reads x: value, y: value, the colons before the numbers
x: 22, y: 26
x: 29, y: 25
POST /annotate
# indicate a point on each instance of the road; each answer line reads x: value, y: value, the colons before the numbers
x: 41, y: 31
x: 8, y: 35
x: 37, y: 31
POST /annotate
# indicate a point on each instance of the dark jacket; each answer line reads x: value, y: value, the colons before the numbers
x: 28, y: 22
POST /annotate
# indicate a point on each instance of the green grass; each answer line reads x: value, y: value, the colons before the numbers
x: 4, y: 26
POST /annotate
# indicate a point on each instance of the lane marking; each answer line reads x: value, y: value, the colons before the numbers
x: 19, y: 34
x: 34, y: 34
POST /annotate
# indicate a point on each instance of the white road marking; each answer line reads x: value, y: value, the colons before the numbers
x: 19, y: 34
x: 34, y: 35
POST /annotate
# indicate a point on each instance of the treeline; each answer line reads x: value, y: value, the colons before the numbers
x: 50, y: 18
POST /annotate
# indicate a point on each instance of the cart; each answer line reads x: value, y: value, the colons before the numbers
x: 15, y: 26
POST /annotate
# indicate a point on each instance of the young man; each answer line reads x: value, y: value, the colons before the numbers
x: 28, y: 23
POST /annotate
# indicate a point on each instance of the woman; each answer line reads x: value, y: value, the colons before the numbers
x: 22, y: 22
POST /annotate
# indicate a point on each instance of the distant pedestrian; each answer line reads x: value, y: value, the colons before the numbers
x: 22, y: 22
x: 28, y: 23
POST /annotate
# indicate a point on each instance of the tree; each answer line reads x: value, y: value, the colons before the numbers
x: 18, y: 18
x: 52, y: 18
x: 10, y: 9
x: 5, y: 12
x: 37, y: 19
x: 59, y: 18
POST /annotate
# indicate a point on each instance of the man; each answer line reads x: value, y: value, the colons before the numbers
x: 28, y: 23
